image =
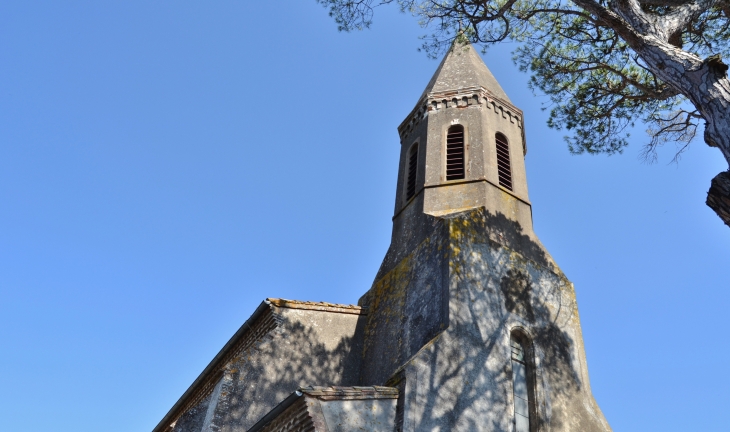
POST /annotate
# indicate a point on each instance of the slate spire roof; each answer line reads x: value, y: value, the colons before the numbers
x: 463, y: 67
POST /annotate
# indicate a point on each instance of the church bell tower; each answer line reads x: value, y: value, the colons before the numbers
x: 469, y: 316
x: 469, y: 326
x: 463, y: 145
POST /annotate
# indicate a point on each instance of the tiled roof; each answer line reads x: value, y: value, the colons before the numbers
x: 318, y: 306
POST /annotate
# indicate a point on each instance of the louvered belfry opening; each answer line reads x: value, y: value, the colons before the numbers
x: 411, y: 177
x: 503, y: 165
x: 455, y: 153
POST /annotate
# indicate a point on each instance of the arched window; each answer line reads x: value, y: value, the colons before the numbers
x: 523, y: 387
x: 412, y: 164
x: 455, y: 153
x: 504, y: 169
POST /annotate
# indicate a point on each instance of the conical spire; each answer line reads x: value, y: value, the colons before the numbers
x: 463, y: 67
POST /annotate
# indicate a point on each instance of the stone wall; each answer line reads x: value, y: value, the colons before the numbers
x: 288, y: 345
x: 333, y: 409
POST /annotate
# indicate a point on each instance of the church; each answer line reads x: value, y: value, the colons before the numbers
x: 469, y: 324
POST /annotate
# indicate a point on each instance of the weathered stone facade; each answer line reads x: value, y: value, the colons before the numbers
x: 283, y: 346
x: 469, y: 325
x: 333, y: 409
x: 477, y: 278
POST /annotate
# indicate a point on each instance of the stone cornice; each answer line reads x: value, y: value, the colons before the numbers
x: 350, y: 393
x: 462, y: 98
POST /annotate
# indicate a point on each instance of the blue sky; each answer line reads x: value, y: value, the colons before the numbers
x: 167, y: 165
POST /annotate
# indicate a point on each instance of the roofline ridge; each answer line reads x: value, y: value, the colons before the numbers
x: 318, y: 305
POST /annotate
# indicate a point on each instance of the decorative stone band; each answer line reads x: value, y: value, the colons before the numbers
x: 350, y: 393
x: 461, y: 98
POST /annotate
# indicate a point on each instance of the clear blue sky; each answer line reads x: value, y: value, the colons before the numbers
x: 167, y: 165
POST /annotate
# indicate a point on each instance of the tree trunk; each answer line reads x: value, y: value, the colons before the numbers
x: 704, y: 82
x: 718, y: 197
x: 716, y: 110
x: 706, y: 85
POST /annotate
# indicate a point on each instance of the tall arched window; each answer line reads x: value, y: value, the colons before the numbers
x: 455, y: 153
x: 412, y: 164
x: 523, y: 384
x: 504, y: 168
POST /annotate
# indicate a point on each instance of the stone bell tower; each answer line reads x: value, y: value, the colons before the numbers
x: 469, y: 317
x: 462, y: 147
x: 452, y: 131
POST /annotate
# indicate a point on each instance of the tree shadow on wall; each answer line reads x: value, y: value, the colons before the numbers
x: 464, y: 383
x: 510, y: 234
x: 463, y: 375
x: 291, y: 357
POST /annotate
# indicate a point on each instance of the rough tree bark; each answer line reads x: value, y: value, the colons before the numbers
x: 718, y: 198
x: 704, y: 82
